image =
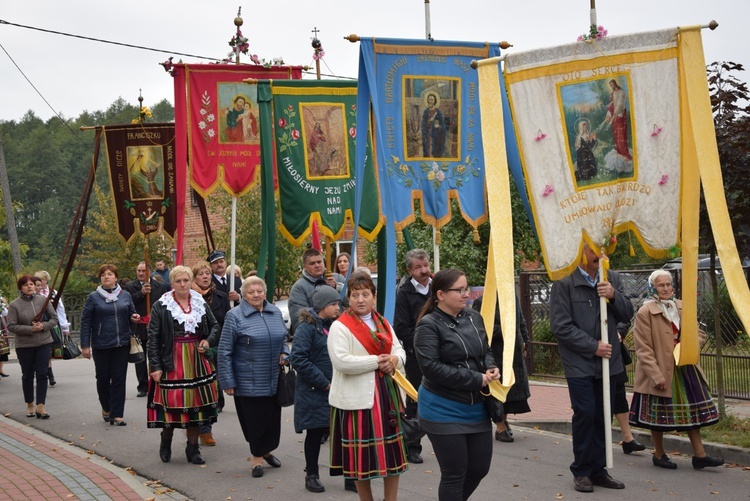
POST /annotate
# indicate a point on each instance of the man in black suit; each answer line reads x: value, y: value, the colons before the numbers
x: 219, y: 267
x: 139, y: 289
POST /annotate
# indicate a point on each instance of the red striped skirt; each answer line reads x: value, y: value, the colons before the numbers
x: 188, y: 394
x: 368, y: 443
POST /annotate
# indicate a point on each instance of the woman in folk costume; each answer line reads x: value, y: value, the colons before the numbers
x: 184, y: 393
x: 668, y: 397
x: 366, y: 435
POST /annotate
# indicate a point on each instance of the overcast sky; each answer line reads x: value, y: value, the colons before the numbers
x: 76, y: 75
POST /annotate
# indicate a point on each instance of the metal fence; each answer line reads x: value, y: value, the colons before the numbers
x: 726, y: 356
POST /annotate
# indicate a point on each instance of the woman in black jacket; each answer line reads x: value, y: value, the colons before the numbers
x: 457, y: 364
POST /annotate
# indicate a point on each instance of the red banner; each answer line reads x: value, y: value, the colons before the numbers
x: 141, y: 160
x: 222, y: 123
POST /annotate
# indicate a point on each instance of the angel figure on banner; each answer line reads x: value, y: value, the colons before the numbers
x: 143, y: 172
x: 619, y: 159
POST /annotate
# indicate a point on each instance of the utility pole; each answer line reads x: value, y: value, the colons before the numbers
x: 10, y: 220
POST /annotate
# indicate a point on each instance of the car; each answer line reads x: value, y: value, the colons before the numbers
x: 283, y: 305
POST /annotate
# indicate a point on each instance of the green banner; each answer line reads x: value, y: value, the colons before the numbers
x: 315, y: 135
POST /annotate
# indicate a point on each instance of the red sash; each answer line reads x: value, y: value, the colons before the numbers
x: 375, y: 342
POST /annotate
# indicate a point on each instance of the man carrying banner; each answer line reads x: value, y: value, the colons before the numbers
x: 575, y: 323
x: 218, y: 262
x: 410, y: 299
x: 313, y: 276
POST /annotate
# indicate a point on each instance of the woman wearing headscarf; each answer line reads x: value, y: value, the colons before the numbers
x: 668, y: 397
x: 457, y: 367
x: 105, y: 335
x: 366, y: 436
x: 62, y: 317
x: 184, y: 392
x: 30, y: 319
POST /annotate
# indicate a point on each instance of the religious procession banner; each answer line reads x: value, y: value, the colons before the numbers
x: 221, y: 122
x: 141, y: 159
x: 315, y: 137
x: 609, y: 133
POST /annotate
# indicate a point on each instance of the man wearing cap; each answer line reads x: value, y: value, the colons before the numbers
x: 410, y: 299
x: 313, y: 276
x: 314, y: 372
x: 218, y: 262
x: 139, y: 289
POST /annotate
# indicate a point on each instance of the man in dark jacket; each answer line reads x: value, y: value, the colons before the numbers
x: 410, y: 299
x: 313, y: 276
x: 575, y: 323
x: 219, y: 266
x: 139, y: 289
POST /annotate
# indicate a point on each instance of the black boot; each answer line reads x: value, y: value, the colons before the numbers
x: 193, y: 454
x: 165, y: 448
x: 51, y: 377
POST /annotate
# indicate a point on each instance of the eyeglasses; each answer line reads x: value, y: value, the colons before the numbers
x: 463, y: 290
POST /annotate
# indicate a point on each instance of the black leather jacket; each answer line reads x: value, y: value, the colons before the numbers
x: 160, y: 345
x: 453, y: 353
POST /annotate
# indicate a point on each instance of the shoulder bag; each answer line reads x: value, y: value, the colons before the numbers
x: 287, y: 383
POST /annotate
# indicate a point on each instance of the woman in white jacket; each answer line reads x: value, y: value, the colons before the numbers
x: 366, y: 437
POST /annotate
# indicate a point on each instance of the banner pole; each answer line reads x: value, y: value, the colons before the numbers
x: 607, y: 408
x: 427, y: 27
x: 234, y: 242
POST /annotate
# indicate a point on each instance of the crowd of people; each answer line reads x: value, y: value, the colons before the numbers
x: 207, y: 335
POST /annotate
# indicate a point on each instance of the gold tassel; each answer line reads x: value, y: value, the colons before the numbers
x: 399, y: 237
x: 437, y: 237
x: 630, y: 239
x: 476, y: 237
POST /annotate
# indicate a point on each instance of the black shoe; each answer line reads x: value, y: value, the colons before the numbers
x: 193, y: 454
x: 664, y: 462
x: 272, y: 461
x: 323, y: 439
x: 604, y: 480
x: 632, y: 446
x: 165, y: 448
x: 2, y: 374
x: 312, y: 483
x: 700, y: 463
x: 51, y: 377
x: 414, y: 457
x: 504, y: 436
x: 141, y: 393
x: 39, y: 415
x: 116, y: 422
x: 508, y: 429
x: 583, y: 484
x: 349, y: 485
x: 257, y: 471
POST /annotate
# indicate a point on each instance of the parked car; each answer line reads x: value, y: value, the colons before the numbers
x: 283, y: 305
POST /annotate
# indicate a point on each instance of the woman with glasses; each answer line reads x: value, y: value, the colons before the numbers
x: 457, y: 366
x: 366, y: 435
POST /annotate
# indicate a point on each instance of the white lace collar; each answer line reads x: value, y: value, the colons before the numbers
x: 190, y: 320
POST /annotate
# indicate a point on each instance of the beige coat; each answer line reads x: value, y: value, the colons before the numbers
x: 654, y: 347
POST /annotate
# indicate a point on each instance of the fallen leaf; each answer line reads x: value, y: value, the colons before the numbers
x: 559, y: 495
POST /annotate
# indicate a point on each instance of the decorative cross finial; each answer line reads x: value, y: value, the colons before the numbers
x: 140, y: 96
x: 315, y: 32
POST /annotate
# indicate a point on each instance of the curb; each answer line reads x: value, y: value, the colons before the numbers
x: 674, y: 444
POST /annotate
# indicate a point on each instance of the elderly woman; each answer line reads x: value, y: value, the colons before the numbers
x: 668, y: 397
x: 314, y: 372
x: 251, y: 349
x: 219, y: 304
x: 366, y: 436
x: 457, y: 366
x: 105, y: 335
x: 62, y: 317
x: 184, y: 393
x: 30, y: 319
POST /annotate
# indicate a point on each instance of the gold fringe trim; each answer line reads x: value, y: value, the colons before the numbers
x: 438, y: 50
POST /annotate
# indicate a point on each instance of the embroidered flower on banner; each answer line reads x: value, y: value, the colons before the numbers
x: 207, y: 130
x: 452, y: 175
x: 353, y: 124
x: 291, y: 133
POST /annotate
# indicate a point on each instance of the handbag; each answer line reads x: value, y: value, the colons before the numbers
x: 494, y: 408
x: 287, y: 382
x: 136, y: 354
x: 411, y: 429
x: 56, y: 347
x: 69, y: 347
x: 4, y: 344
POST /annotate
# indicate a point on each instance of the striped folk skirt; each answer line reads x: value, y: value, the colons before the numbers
x: 187, y: 395
x: 690, y: 406
x: 368, y: 443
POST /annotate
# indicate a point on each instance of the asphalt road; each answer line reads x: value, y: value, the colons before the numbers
x: 534, y: 467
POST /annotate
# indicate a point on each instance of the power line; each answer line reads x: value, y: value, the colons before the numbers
x: 57, y: 114
x: 2, y: 21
